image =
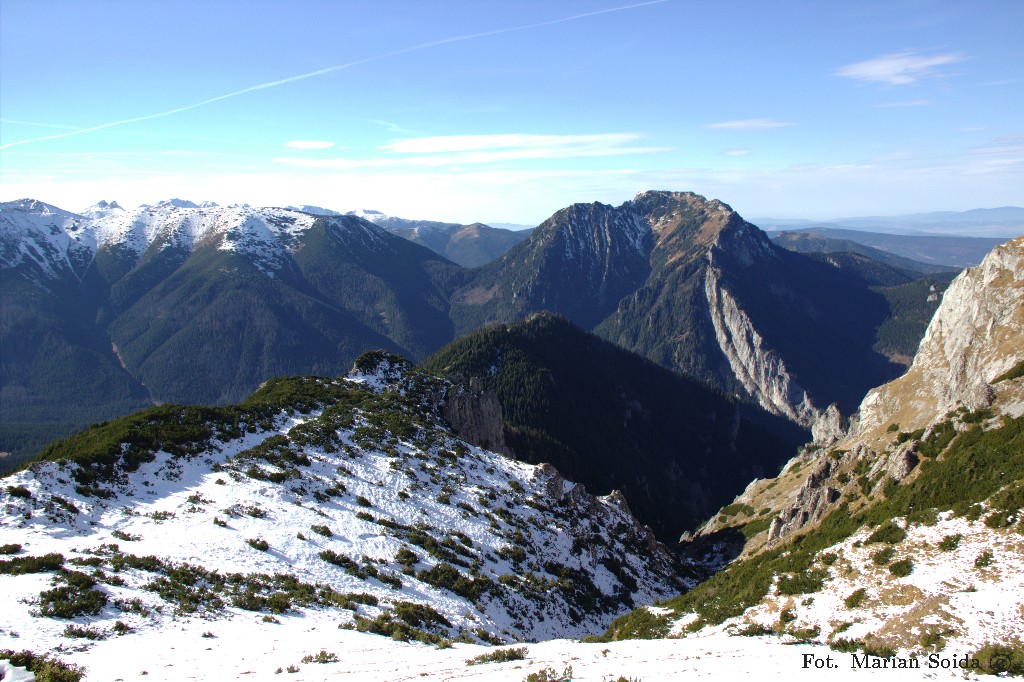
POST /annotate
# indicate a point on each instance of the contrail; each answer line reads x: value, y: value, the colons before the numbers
x: 331, y: 69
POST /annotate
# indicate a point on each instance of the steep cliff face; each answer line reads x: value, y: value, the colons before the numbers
x: 969, y: 369
x: 475, y: 414
x: 759, y: 368
x: 725, y: 304
x: 976, y: 336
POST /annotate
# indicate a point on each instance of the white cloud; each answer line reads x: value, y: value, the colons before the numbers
x: 474, y: 143
x: 902, y: 105
x: 469, y: 150
x: 738, y: 151
x: 749, y: 125
x: 900, y: 68
x: 309, y: 144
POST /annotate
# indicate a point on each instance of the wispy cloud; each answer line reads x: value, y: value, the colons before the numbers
x: 738, y: 151
x: 903, y: 105
x: 749, y: 125
x: 467, y: 150
x: 337, y: 67
x: 570, y: 144
x: 900, y: 68
x: 37, y: 124
x: 309, y: 144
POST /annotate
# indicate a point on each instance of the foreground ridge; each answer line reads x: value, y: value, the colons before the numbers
x: 342, y: 502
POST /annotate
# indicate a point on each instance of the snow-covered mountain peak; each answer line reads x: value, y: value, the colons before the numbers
x: 185, y: 203
x: 367, y: 214
x: 102, y: 208
x: 42, y: 239
x: 315, y: 210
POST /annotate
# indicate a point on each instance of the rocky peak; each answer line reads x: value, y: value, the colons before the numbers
x: 974, y: 337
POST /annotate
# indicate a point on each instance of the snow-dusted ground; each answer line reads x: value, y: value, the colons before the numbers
x: 946, y: 592
x: 248, y: 649
x: 553, y: 560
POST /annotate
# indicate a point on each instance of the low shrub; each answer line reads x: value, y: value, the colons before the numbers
x: 258, y: 544
x: 883, y: 556
x: 549, y: 675
x: 323, y: 657
x: 84, y: 632
x: 500, y: 656
x: 32, y: 564
x: 75, y: 597
x: 950, y: 542
x: 856, y: 598
x: 1000, y: 659
x: 902, y: 568
x: 45, y: 667
x: 889, y: 533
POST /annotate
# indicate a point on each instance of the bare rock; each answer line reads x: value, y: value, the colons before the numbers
x: 829, y: 427
x: 475, y: 414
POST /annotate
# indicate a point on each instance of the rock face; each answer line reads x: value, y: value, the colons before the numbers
x: 758, y: 367
x: 974, y: 338
x: 475, y: 414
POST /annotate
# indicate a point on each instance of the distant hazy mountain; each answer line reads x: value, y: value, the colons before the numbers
x: 1005, y: 222
x: 178, y: 304
x: 816, y: 241
x: 468, y: 245
x: 949, y: 251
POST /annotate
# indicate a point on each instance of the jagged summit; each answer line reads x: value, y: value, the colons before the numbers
x: 689, y: 284
x: 186, y: 203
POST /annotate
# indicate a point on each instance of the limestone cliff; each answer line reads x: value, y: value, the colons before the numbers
x: 977, y: 335
x: 970, y: 359
x: 475, y: 414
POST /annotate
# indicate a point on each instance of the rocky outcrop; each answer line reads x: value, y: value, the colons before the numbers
x: 961, y: 365
x: 813, y: 500
x: 565, y: 493
x: 829, y: 426
x: 974, y: 337
x: 758, y: 368
x: 475, y: 414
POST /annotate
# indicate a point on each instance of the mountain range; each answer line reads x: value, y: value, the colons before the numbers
x: 178, y: 302
x: 1004, y: 222
x: 927, y: 253
x: 468, y: 245
x: 322, y: 512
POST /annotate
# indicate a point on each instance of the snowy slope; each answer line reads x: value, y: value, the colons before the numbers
x: 60, y: 243
x: 360, y: 524
x: 40, y: 240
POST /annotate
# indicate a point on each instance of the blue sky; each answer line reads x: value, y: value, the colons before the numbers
x: 507, y: 111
